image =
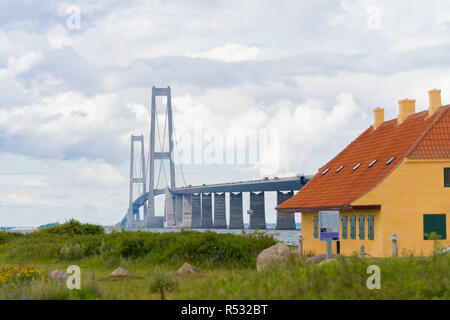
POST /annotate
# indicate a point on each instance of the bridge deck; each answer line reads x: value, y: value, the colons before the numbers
x: 281, y: 184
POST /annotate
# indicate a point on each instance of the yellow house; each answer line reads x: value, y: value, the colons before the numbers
x: 393, y: 179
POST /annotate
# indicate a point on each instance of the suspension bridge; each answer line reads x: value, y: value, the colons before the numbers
x: 202, y: 206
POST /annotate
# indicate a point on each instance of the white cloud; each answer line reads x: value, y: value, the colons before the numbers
x: 232, y: 52
x: 310, y: 126
x: 69, y: 121
x: 21, y: 64
x: 21, y: 180
x: 98, y: 175
x: 58, y: 37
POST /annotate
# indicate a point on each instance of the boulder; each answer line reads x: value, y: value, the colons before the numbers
x: 279, y: 252
x: 187, y: 268
x: 119, y: 273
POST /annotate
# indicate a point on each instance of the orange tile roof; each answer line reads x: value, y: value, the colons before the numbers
x: 420, y: 136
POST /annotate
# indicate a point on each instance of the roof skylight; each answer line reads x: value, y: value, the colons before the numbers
x: 357, y: 166
x: 323, y: 173
x: 340, y: 168
x: 390, y: 160
x: 372, y: 163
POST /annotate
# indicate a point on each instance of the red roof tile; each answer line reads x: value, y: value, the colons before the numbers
x: 420, y: 136
x: 435, y: 142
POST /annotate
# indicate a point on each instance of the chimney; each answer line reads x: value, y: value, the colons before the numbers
x: 378, y: 117
x: 435, y: 100
x: 406, y: 107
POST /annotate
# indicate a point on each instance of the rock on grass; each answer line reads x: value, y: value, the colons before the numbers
x: 119, y: 273
x: 187, y: 268
x: 279, y: 252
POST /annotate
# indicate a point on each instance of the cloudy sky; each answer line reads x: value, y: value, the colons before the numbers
x: 76, y: 79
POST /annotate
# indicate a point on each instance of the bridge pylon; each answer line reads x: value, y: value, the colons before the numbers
x: 161, y: 155
x: 133, y: 218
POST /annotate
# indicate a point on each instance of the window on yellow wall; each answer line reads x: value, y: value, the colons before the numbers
x: 344, y: 227
x: 352, y: 227
x: 447, y: 177
x: 370, y: 231
x: 361, y: 227
x: 434, y: 224
x: 316, y: 226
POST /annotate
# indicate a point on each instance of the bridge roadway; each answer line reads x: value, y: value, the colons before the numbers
x: 191, y: 206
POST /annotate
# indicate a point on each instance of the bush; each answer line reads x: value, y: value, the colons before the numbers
x: 199, y: 248
x: 6, y: 236
x: 207, y: 249
x: 72, y: 252
x: 162, y: 282
x: 74, y: 227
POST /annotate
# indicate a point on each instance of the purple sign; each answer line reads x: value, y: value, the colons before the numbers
x: 329, y: 225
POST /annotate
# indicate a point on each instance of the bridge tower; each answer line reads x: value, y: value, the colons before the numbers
x: 159, y: 155
x: 133, y: 219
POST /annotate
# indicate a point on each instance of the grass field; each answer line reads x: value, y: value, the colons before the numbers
x: 227, y: 273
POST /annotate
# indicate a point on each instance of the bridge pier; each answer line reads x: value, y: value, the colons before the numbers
x: 236, y: 215
x: 258, y: 218
x: 130, y: 217
x: 187, y: 211
x: 178, y: 210
x: 207, y: 222
x: 170, y: 210
x: 220, y: 220
x: 285, y: 221
x: 196, y: 211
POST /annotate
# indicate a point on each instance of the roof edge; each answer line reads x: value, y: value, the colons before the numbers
x: 331, y: 208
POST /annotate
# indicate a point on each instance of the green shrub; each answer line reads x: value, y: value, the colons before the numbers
x: 72, y: 252
x: 74, y: 227
x: 162, y: 282
x: 133, y: 248
x: 6, y: 236
x: 206, y: 249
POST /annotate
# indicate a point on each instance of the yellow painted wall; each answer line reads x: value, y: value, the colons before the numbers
x: 348, y: 246
x: 414, y: 188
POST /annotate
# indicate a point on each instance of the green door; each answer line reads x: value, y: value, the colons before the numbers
x: 434, y: 223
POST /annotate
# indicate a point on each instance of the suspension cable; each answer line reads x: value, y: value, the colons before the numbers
x: 178, y: 153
